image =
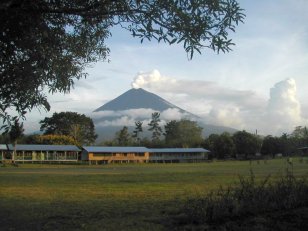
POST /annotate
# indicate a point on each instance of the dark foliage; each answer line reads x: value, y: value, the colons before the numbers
x: 73, y: 124
x: 154, y: 127
x: 183, y: 134
x: 46, y: 45
x: 247, y: 201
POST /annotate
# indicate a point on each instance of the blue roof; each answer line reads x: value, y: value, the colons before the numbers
x: 178, y: 150
x: 45, y: 147
x: 116, y: 149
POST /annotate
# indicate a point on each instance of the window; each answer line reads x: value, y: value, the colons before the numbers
x: 139, y: 154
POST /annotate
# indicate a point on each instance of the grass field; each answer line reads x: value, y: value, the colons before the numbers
x: 116, y: 197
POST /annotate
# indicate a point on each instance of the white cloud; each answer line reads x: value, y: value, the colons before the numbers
x: 122, y: 121
x: 208, y: 90
x: 151, y: 79
x: 230, y: 107
x: 173, y: 114
x: 132, y: 113
x: 129, y: 117
x: 284, y: 110
x: 229, y: 116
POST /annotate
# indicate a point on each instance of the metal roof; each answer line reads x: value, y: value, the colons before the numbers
x: 178, y: 150
x: 302, y: 148
x: 142, y: 150
x: 3, y: 147
x: 44, y: 147
x: 116, y: 149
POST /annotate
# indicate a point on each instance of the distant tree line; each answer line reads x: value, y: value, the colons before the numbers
x: 246, y: 145
x: 241, y: 144
x: 180, y: 134
x: 72, y: 128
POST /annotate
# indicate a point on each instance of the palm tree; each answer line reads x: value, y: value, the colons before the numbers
x: 137, y: 131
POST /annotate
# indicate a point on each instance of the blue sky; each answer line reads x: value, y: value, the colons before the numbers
x: 261, y: 84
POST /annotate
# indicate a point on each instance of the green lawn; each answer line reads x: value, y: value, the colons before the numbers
x: 115, y: 197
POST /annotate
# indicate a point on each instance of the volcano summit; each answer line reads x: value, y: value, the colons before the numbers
x: 136, y: 99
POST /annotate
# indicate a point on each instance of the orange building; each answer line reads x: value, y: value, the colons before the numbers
x: 100, y: 155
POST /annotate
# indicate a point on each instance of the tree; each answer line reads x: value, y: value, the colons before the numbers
x: 73, y: 124
x: 55, y: 140
x: 246, y: 143
x: 300, y: 134
x: 123, y: 138
x: 154, y: 127
x: 184, y: 133
x: 46, y: 45
x: 15, y: 133
x: 221, y: 146
x: 4, y: 138
x: 171, y: 133
x: 291, y: 143
x: 209, y: 144
x: 271, y: 146
x: 225, y: 146
x: 137, y: 131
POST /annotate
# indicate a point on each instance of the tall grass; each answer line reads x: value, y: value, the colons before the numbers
x: 248, y: 199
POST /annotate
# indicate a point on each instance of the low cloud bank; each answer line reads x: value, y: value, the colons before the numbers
x: 241, y: 109
x: 129, y: 117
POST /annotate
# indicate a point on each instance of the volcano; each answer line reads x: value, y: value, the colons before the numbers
x: 138, y: 105
x: 136, y: 99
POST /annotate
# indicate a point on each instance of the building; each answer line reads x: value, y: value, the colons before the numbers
x: 4, y: 152
x: 45, y: 153
x: 304, y: 150
x: 304, y: 154
x: 101, y: 155
x: 178, y: 155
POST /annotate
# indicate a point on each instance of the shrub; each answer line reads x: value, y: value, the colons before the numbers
x: 248, y: 198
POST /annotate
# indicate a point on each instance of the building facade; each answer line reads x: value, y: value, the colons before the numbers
x: 23, y: 153
x: 43, y: 153
x: 178, y: 155
x: 100, y: 155
x: 4, y: 152
x: 105, y: 155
